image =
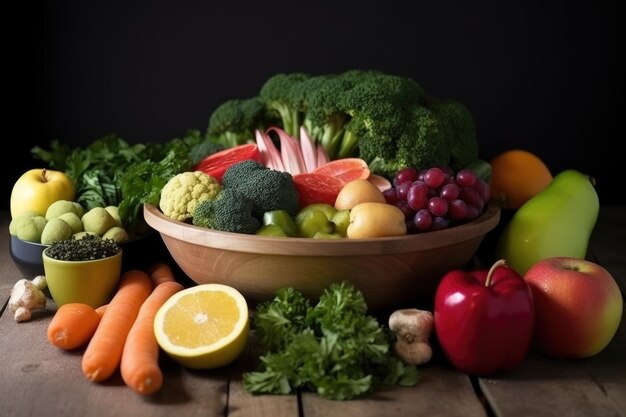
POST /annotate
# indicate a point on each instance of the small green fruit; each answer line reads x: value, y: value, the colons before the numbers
x: 55, y: 231
x: 114, y: 211
x: 117, y: 234
x: 283, y: 220
x: 60, y: 207
x: 98, y: 220
x: 19, y: 220
x: 341, y: 219
x: 310, y: 222
x: 31, y: 229
x: 73, y: 221
x: 81, y: 235
x: 271, y: 230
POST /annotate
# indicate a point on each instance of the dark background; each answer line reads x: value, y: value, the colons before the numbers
x: 542, y: 76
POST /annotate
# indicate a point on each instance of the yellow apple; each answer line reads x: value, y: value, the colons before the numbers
x: 38, y: 188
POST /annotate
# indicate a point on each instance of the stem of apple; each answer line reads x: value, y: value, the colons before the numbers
x: 493, y: 268
x: 43, y: 175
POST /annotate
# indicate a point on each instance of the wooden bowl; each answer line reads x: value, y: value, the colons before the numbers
x: 388, y: 271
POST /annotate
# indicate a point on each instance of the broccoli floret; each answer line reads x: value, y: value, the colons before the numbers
x: 325, y: 118
x: 460, y: 131
x: 420, y: 144
x: 276, y: 93
x: 230, y: 211
x: 234, y: 121
x: 266, y: 188
x: 379, y: 105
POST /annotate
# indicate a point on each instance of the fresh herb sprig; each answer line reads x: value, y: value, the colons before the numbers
x: 333, y: 348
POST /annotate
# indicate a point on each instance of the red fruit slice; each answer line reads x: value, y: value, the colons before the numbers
x: 216, y: 164
x: 381, y: 182
x: 317, y: 188
x: 345, y: 170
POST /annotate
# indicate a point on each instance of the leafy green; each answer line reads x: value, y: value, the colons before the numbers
x: 112, y: 172
x: 333, y: 348
x: 142, y: 183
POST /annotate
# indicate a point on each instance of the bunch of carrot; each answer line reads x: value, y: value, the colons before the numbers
x: 120, y: 334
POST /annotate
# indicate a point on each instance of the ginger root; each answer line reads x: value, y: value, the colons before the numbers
x: 412, y: 328
x: 27, y: 296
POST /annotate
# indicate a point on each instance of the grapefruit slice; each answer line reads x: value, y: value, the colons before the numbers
x: 317, y: 188
x: 216, y: 164
x: 345, y: 169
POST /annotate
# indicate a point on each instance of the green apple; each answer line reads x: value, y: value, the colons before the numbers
x: 556, y: 222
x: 38, y: 188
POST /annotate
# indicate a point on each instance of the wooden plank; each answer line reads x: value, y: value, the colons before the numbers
x: 608, y: 248
x: 547, y: 387
x: 42, y: 380
x: 440, y: 392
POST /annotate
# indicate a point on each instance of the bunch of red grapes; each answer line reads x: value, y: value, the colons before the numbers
x: 437, y: 198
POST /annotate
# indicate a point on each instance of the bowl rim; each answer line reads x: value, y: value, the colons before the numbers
x: 300, y: 246
x: 45, y: 256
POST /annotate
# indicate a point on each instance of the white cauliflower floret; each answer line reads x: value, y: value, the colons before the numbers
x: 183, y: 192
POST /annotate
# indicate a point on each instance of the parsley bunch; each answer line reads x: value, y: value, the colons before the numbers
x: 333, y: 348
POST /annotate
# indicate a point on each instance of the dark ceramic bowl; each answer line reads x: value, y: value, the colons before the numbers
x: 138, y: 253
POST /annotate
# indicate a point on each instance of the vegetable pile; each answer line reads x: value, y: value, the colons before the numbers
x: 333, y: 348
x: 387, y: 120
x: 112, y: 172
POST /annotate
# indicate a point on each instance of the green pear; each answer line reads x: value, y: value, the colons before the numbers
x: 556, y: 222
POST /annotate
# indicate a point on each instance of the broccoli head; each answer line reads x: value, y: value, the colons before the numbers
x: 230, y: 211
x: 234, y: 121
x: 267, y: 189
x: 276, y: 93
x: 459, y: 129
x: 420, y: 144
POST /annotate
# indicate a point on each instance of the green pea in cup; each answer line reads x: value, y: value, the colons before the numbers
x: 91, y: 282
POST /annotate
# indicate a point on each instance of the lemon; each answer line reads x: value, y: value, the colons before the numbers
x: 203, y: 327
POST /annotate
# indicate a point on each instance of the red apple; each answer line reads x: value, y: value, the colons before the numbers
x: 578, y: 306
x: 484, y: 319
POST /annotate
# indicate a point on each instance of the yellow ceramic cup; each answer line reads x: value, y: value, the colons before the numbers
x: 90, y: 282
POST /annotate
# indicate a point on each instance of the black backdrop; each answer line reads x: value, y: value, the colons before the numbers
x: 542, y: 76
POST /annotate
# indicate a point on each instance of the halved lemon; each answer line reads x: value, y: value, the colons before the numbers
x: 203, y: 327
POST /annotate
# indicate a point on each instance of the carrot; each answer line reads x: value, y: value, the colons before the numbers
x: 104, y: 352
x: 161, y: 272
x: 140, y: 358
x: 100, y: 310
x: 73, y: 325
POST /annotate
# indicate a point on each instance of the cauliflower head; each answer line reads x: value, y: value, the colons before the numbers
x: 183, y: 192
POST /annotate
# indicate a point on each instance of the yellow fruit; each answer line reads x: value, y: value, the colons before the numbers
x: 203, y: 327
x: 375, y: 220
x: 356, y: 192
x: 37, y: 189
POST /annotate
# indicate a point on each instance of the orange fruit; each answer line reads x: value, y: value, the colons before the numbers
x: 516, y: 176
x: 204, y: 326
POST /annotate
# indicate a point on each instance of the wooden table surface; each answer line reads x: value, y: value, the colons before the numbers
x: 37, y: 379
